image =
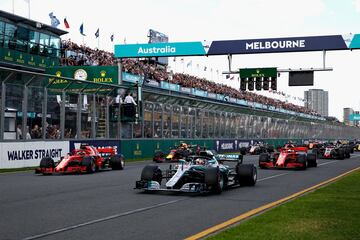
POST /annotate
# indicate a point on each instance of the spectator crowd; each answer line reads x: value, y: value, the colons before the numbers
x: 73, y: 54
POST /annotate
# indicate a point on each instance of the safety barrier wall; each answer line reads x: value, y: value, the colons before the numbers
x: 29, y: 154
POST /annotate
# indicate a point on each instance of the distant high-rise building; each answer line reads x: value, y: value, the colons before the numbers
x: 347, y: 113
x: 317, y: 100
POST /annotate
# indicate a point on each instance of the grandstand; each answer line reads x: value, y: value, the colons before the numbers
x: 75, y: 55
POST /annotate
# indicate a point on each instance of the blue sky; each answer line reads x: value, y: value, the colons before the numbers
x: 190, y: 20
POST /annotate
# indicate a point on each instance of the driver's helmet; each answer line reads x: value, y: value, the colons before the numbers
x: 289, y: 145
x: 183, y: 145
x: 81, y: 152
x: 200, y: 161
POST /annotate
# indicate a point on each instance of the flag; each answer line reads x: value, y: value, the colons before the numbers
x: 82, y: 29
x: 189, y: 64
x: 97, y: 33
x: 112, y: 37
x: 66, y: 23
x: 54, y: 21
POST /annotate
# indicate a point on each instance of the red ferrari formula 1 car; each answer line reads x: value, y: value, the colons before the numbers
x: 289, y: 157
x: 86, y: 159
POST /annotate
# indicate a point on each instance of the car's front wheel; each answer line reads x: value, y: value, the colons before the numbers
x: 247, y: 174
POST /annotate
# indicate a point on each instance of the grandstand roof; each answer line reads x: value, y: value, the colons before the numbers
x: 35, y: 24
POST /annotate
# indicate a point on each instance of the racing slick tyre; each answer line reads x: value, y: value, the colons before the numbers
x: 215, y: 180
x: 264, y: 157
x: 243, y: 150
x: 89, y: 163
x: 341, y: 154
x: 347, y: 152
x: 270, y: 149
x: 311, y: 160
x: 302, y: 159
x: 47, y: 162
x: 151, y: 173
x: 159, y: 156
x: 117, y: 162
x: 246, y: 174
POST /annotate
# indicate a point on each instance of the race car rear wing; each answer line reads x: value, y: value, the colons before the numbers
x: 230, y: 158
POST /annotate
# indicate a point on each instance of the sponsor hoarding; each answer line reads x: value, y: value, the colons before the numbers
x: 29, y: 154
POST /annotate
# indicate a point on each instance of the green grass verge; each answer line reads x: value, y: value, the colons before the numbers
x: 331, y: 212
x: 5, y: 170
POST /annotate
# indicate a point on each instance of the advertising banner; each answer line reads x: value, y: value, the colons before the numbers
x: 198, y: 92
x: 96, y: 74
x: 152, y: 83
x: 212, y: 95
x: 222, y: 146
x: 275, y: 45
x: 185, y: 90
x: 258, y: 72
x: 29, y: 154
x: 159, y: 49
x: 128, y: 77
x: 25, y: 59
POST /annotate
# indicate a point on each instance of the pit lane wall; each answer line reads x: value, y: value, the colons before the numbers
x: 29, y: 154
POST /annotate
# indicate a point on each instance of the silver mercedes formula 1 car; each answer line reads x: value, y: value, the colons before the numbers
x: 201, y: 173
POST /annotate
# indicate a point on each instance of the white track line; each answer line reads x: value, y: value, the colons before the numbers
x: 101, y: 220
x: 274, y: 176
x: 325, y: 163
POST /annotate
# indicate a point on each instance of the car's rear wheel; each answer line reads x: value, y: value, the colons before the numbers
x: 247, y: 174
x: 89, y: 163
x: 311, y: 160
x: 151, y: 173
x: 302, y: 159
x: 159, y: 156
x: 341, y: 154
x: 117, y: 162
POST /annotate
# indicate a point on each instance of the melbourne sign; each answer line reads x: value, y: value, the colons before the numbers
x: 274, y: 45
x: 159, y: 49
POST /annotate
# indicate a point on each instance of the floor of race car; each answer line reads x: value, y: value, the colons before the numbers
x: 105, y: 205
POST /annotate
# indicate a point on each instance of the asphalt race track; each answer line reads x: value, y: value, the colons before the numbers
x: 105, y: 206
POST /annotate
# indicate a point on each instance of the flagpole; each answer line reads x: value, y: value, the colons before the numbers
x: 29, y: 9
x: 13, y: 6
